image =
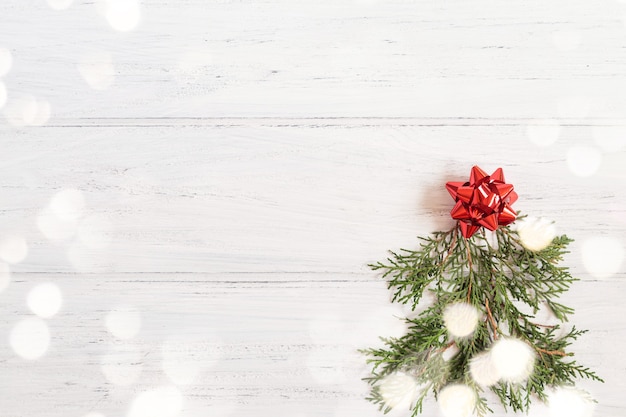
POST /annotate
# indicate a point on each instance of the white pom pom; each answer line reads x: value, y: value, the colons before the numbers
x: 536, y: 233
x: 457, y: 400
x: 483, y: 370
x: 461, y: 319
x: 570, y: 402
x: 513, y: 359
x: 398, y: 390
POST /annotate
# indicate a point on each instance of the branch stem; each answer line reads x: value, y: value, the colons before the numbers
x: 552, y: 352
x: 492, y: 321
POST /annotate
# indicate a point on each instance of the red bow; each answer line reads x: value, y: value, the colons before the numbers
x: 485, y: 200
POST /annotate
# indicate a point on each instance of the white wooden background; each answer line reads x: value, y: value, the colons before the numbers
x: 247, y: 159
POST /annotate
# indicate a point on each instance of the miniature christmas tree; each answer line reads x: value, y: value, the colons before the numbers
x: 480, y: 332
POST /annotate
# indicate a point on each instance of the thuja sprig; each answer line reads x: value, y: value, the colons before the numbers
x: 496, y: 275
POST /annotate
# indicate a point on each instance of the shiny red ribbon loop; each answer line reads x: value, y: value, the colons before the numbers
x: 483, y: 201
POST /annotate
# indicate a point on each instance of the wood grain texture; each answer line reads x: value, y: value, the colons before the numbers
x: 248, y: 159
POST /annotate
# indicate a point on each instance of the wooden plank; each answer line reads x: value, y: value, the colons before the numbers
x: 286, y: 58
x: 229, y: 331
x: 242, y: 161
x: 274, y: 199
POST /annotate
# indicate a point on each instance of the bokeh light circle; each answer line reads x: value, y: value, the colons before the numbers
x: 5, y: 276
x: 184, y: 359
x: 544, y: 133
x: 53, y: 227
x: 3, y: 94
x: 610, y: 138
x: 123, y: 322
x: 45, y: 300
x: 513, y: 359
x: 30, y: 338
x: 567, y: 40
x: 6, y: 61
x: 94, y: 232
x: 122, y: 365
x: 122, y: 15
x: 59, y: 4
x: 68, y: 204
x: 460, y: 319
x: 483, y: 370
x: 535, y: 233
x: 97, y: 70
x: 457, y: 400
x: 584, y: 161
x: 27, y: 111
x: 159, y: 402
x: 570, y: 402
x: 13, y: 249
x: 398, y: 390
x: 602, y: 256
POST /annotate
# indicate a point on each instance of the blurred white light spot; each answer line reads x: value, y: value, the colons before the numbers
x: 610, y: 138
x: 122, y: 15
x: 183, y: 360
x: 5, y: 276
x: 60, y: 4
x: 398, y: 390
x: 122, y: 366
x: 53, y: 227
x: 27, y: 111
x: 123, y: 323
x: 567, y: 40
x: 602, y: 256
x: 573, y: 107
x: 512, y: 359
x: 68, y: 204
x: 6, y: 61
x: 583, y: 161
x: 483, y: 370
x: 13, y: 249
x: 97, y: 70
x: 536, y: 233
x: 570, y: 402
x: 94, y: 415
x: 460, y: 319
x: 179, y: 363
x: 45, y: 300
x: 3, y: 94
x: 94, y: 232
x: 457, y: 400
x: 30, y: 338
x: 544, y: 132
x: 159, y: 402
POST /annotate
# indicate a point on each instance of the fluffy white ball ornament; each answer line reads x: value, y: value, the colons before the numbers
x: 513, y: 359
x: 483, y: 370
x: 570, y: 402
x: 461, y: 319
x: 457, y: 400
x: 536, y: 233
x: 398, y: 390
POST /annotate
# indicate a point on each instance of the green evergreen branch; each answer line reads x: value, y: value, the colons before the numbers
x: 497, y: 277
